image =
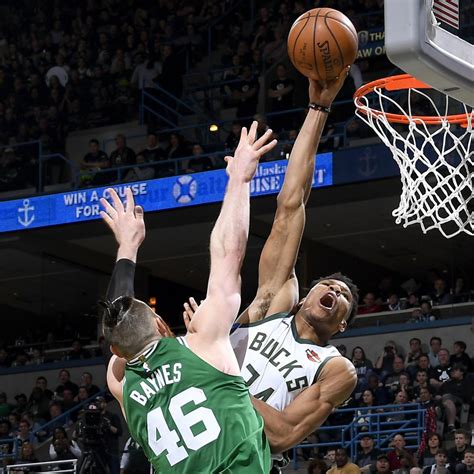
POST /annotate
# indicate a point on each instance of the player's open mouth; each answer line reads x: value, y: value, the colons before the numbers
x: 328, y: 301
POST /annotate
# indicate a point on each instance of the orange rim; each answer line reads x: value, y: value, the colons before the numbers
x: 400, y: 82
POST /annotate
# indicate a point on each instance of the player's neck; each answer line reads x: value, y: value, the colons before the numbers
x: 306, y: 331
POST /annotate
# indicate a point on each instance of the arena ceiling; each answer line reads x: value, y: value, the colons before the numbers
x: 348, y: 228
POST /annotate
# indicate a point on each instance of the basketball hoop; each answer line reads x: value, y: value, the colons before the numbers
x: 433, y: 149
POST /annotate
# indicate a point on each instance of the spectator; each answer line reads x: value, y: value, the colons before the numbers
x: 382, y: 395
x: 316, y: 466
x: 421, y: 381
x: 460, y: 292
x: 86, y: 381
x: 198, y: 163
x: 370, y: 305
x: 281, y: 94
x: 232, y: 139
x: 398, y: 452
x: 21, y: 403
x: 245, y: 92
x: 368, y: 401
x: 459, y: 355
x: 367, y: 456
x: 4, y: 358
x: 455, y: 392
x: 412, y: 301
x: 176, y: 147
x: 393, y: 303
x: 139, y: 172
x: 27, y: 455
x: 422, y: 363
x: 461, y: 442
x: 414, y: 352
x: 38, y: 406
x: 426, y: 312
x: 68, y: 402
x: 24, y: 433
x: 441, y: 465
x: 382, y: 466
x: 330, y: 458
x: 6, y: 447
x: 441, y: 373
x: 61, y: 448
x: 401, y: 398
x: 152, y: 152
x: 392, y: 380
x: 65, y: 382
x: 82, y: 394
x: 342, y: 350
x: 275, y: 49
x: 5, y: 407
x: 434, y: 444
x: 145, y: 73
x: 78, y: 352
x: 343, y: 465
x: 384, y: 362
x: 363, y: 368
x: 435, y: 346
x: 122, y: 155
x: 94, y: 161
x: 440, y: 294
x: 112, y: 436
x: 467, y: 465
x: 133, y: 459
x: 42, y: 383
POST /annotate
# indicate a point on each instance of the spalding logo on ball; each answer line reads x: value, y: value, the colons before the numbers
x: 185, y: 189
x: 321, y: 43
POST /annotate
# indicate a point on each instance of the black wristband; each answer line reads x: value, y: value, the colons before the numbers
x: 321, y: 108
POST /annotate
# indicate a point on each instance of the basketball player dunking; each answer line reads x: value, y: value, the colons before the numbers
x: 183, y: 398
x: 296, y: 378
x: 281, y: 342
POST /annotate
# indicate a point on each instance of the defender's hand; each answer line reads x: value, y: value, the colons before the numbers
x: 189, y: 310
x: 127, y: 222
x: 324, y: 93
x: 243, y: 164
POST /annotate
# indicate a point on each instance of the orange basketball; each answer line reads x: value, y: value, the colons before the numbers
x: 321, y: 43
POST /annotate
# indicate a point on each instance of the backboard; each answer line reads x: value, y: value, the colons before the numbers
x: 430, y: 39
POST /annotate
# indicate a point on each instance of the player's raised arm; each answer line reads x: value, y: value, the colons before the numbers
x: 216, y: 314
x: 287, y: 428
x: 277, y: 284
x: 128, y: 226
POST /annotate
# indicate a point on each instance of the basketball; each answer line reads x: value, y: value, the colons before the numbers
x: 321, y: 43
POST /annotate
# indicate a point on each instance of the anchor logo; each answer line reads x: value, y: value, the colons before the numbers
x: 24, y: 218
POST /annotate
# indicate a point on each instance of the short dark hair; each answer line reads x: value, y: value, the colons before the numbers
x: 352, y: 287
x: 465, y: 433
x: 93, y: 140
x: 459, y: 366
x: 41, y: 377
x: 442, y: 451
x: 469, y: 449
x: 436, y: 338
x: 128, y: 324
x: 414, y: 339
x: 461, y: 344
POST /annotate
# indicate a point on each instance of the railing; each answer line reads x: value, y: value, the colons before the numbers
x: 379, y: 425
x: 46, y: 464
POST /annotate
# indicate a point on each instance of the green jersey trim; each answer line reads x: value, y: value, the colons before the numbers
x: 323, y: 363
x: 261, y: 321
x: 301, y: 340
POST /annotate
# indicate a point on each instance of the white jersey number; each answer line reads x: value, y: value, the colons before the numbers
x: 161, y: 438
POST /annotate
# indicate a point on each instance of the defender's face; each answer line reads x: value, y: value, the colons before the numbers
x: 328, y: 302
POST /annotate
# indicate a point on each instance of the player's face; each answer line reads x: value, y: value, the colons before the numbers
x: 328, y: 302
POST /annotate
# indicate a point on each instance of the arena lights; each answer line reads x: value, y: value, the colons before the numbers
x: 213, y: 128
x: 152, y: 303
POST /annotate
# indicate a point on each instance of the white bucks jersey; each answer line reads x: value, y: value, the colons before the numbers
x: 275, y: 363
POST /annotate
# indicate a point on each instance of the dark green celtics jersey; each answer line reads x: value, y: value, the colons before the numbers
x: 190, y: 417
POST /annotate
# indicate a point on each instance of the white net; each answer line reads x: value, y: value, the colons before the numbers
x: 436, y: 159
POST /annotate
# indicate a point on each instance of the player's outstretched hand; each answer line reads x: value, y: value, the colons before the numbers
x: 126, y: 222
x: 189, y: 310
x: 243, y: 164
x: 324, y: 93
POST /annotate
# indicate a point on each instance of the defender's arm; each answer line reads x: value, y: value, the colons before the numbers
x: 217, y: 313
x: 310, y: 410
x: 277, y: 284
